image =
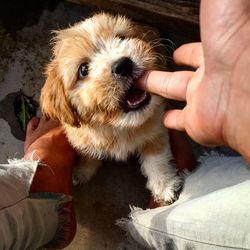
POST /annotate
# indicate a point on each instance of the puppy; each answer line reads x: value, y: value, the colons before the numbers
x: 90, y: 90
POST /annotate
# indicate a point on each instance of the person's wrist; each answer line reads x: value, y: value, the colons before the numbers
x: 51, y: 164
x: 47, y: 176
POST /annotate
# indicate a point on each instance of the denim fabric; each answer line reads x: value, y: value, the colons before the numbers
x: 27, y: 221
x: 213, y: 211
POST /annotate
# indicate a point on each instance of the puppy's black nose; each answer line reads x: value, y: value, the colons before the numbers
x: 123, y: 67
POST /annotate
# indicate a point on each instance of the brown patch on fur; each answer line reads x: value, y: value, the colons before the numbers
x: 151, y: 35
x: 155, y: 146
x: 82, y: 43
x: 97, y: 116
x: 53, y: 100
x: 144, y: 127
x: 107, y: 118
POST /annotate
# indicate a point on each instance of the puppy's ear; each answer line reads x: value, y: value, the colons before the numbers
x: 152, y: 35
x: 53, y: 100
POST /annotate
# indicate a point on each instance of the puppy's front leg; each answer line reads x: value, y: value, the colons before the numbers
x: 85, y: 169
x: 163, y: 181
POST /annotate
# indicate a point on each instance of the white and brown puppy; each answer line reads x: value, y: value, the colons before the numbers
x: 89, y: 89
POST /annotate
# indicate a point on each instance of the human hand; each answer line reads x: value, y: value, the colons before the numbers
x: 46, y: 142
x: 185, y: 86
x: 218, y: 92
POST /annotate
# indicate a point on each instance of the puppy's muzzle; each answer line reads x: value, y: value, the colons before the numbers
x: 133, y: 99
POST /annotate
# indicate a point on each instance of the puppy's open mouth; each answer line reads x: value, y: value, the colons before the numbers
x: 135, y: 99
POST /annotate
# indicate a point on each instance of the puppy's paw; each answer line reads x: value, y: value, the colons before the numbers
x: 172, y: 191
x: 167, y: 192
x: 82, y: 175
x: 85, y: 170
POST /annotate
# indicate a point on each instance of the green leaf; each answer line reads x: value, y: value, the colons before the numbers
x: 25, y: 108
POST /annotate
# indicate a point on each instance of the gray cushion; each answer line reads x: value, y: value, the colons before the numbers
x: 213, y: 211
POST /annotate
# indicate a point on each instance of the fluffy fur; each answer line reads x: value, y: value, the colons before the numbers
x: 90, y: 107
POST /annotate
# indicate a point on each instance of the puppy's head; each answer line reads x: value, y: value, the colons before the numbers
x: 95, y: 63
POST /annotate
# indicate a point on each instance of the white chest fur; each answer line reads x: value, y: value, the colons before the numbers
x: 103, y: 141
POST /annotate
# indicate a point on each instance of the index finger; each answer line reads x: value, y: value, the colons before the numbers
x: 172, y: 85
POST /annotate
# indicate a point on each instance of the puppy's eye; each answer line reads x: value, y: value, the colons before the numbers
x: 83, y: 70
x: 122, y: 37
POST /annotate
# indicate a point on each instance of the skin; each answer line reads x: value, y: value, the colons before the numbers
x: 217, y: 93
x: 47, y: 139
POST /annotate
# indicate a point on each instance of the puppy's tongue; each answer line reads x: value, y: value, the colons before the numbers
x: 135, y: 97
